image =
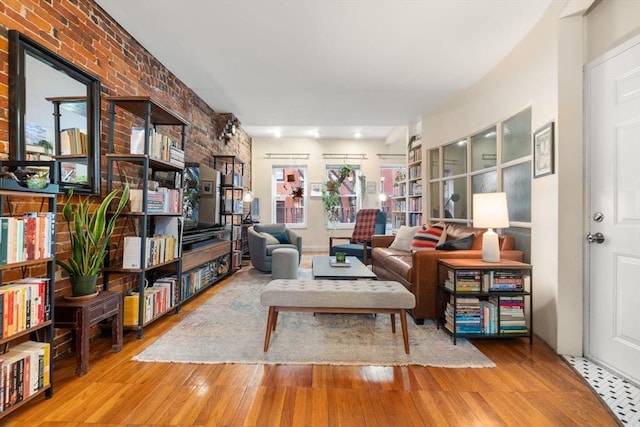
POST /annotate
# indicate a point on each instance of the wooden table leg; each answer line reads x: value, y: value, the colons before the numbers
x: 82, y: 343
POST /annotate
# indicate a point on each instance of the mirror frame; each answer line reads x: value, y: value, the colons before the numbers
x: 19, y: 46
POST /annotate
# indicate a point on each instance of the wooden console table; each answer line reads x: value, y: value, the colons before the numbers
x: 82, y: 315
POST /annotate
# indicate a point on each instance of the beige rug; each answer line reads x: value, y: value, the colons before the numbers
x: 230, y: 327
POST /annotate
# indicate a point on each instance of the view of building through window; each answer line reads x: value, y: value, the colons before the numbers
x: 290, y: 195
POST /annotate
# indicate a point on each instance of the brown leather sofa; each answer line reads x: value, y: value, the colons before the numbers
x: 418, y: 269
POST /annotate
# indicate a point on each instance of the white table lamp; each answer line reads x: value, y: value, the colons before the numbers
x: 248, y: 197
x: 490, y: 211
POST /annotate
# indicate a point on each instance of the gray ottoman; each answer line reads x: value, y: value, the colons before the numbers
x: 284, y: 263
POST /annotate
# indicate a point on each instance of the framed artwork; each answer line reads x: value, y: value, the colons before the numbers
x: 371, y: 187
x: 543, y: 151
x: 206, y: 187
x: 315, y: 189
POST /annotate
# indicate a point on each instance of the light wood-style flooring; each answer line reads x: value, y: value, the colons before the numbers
x: 531, y: 386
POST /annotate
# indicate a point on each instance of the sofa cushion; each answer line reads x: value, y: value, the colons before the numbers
x: 401, y: 265
x: 403, y: 239
x: 270, y: 238
x: 458, y: 231
x: 281, y: 236
x: 455, y: 245
x: 429, y: 237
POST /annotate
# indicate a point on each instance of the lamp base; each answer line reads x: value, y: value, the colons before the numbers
x: 490, y: 247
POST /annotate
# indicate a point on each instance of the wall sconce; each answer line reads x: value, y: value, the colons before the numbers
x: 230, y: 128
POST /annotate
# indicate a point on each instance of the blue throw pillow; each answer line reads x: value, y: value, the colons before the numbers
x: 455, y: 245
x: 281, y: 236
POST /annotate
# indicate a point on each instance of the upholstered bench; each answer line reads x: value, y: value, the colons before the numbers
x: 337, y: 296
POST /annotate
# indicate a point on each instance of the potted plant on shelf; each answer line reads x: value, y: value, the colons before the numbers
x: 89, y: 232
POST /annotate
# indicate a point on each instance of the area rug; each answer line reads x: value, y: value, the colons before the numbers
x: 230, y: 328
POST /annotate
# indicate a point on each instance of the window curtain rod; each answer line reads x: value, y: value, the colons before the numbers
x: 287, y: 156
x: 344, y: 156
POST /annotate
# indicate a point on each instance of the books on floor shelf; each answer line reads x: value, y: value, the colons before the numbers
x: 24, y: 370
x: 497, y: 315
x: 160, y: 297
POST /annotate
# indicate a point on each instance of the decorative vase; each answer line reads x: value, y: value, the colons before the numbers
x: 83, y: 286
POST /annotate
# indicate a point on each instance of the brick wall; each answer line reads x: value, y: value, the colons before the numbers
x: 82, y: 33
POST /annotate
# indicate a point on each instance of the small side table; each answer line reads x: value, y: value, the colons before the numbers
x: 82, y: 315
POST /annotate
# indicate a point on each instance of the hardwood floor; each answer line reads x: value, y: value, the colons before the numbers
x: 531, y: 386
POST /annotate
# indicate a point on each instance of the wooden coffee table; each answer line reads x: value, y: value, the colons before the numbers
x: 322, y: 269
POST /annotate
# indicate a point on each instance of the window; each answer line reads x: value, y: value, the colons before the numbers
x: 348, y: 191
x: 290, y: 195
x: 497, y: 161
x: 388, y: 190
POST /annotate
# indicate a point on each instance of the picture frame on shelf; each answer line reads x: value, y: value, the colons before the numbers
x: 543, y: 151
x: 315, y: 189
x: 206, y: 187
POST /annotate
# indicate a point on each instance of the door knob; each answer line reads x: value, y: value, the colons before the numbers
x: 598, y: 238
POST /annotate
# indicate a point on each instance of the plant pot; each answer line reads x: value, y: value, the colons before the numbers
x: 83, y: 285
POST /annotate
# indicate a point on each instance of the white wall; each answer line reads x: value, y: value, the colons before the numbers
x: 315, y: 236
x: 545, y: 72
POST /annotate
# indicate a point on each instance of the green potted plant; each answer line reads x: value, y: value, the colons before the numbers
x: 331, y: 203
x: 344, y: 172
x: 89, y: 232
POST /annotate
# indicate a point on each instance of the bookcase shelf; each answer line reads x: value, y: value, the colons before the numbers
x: 155, y: 261
x: 478, y: 299
x: 231, y: 208
x: 26, y: 339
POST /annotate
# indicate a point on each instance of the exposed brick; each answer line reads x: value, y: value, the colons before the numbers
x: 81, y: 32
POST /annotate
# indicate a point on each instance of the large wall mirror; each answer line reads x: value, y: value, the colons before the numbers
x: 54, y: 114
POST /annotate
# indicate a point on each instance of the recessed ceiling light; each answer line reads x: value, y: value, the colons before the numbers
x: 316, y: 134
x: 357, y: 135
x: 277, y: 133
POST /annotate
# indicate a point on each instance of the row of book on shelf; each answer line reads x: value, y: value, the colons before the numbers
x: 486, y: 281
x: 73, y: 141
x: 415, y: 188
x: 496, y: 315
x: 160, y: 297
x: 23, y: 305
x: 414, y: 172
x: 163, y: 247
x: 25, y: 370
x: 164, y: 200
x: 161, y: 147
x: 26, y: 237
x: 195, y: 280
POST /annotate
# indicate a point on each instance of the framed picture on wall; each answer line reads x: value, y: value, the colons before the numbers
x: 316, y: 189
x: 206, y: 188
x: 543, y: 151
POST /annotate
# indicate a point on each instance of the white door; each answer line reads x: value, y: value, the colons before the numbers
x: 613, y: 135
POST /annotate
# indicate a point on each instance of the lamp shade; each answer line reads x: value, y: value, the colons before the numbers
x: 248, y: 197
x: 490, y: 210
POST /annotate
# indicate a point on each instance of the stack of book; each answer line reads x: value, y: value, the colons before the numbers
x: 176, y: 156
x: 506, y: 280
x: 468, y: 317
x: 465, y: 280
x: 195, y: 280
x: 512, y: 319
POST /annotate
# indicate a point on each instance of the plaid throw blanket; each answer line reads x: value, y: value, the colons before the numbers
x: 365, y: 225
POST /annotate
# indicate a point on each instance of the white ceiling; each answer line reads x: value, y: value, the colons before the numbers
x: 333, y: 66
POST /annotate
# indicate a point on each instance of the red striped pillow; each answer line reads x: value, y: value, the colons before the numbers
x: 429, y: 237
